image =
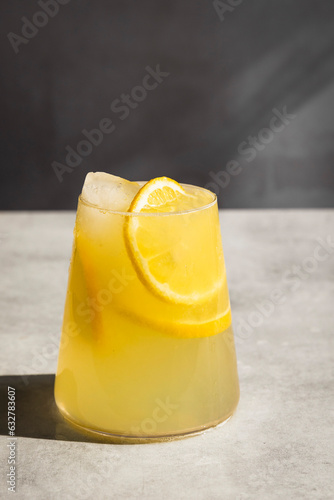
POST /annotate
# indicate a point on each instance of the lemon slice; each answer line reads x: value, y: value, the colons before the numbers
x: 193, y: 329
x: 160, y: 195
x: 167, y: 252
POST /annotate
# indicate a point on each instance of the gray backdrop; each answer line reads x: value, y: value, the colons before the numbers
x: 243, y: 104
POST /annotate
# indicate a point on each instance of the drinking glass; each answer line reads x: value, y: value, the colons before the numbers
x: 135, y: 364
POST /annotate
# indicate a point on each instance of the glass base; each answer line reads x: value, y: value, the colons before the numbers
x: 111, y: 438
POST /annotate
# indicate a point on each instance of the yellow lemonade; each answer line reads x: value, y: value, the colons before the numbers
x: 147, y: 348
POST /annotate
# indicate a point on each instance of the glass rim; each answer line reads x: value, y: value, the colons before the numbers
x: 154, y: 214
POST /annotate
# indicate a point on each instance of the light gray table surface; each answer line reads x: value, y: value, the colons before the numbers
x: 279, y: 443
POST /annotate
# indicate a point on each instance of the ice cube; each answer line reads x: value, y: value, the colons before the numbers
x: 109, y: 191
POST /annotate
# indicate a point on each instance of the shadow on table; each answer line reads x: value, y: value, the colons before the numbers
x: 36, y: 412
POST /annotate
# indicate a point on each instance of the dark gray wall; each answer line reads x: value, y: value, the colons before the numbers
x: 230, y: 74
